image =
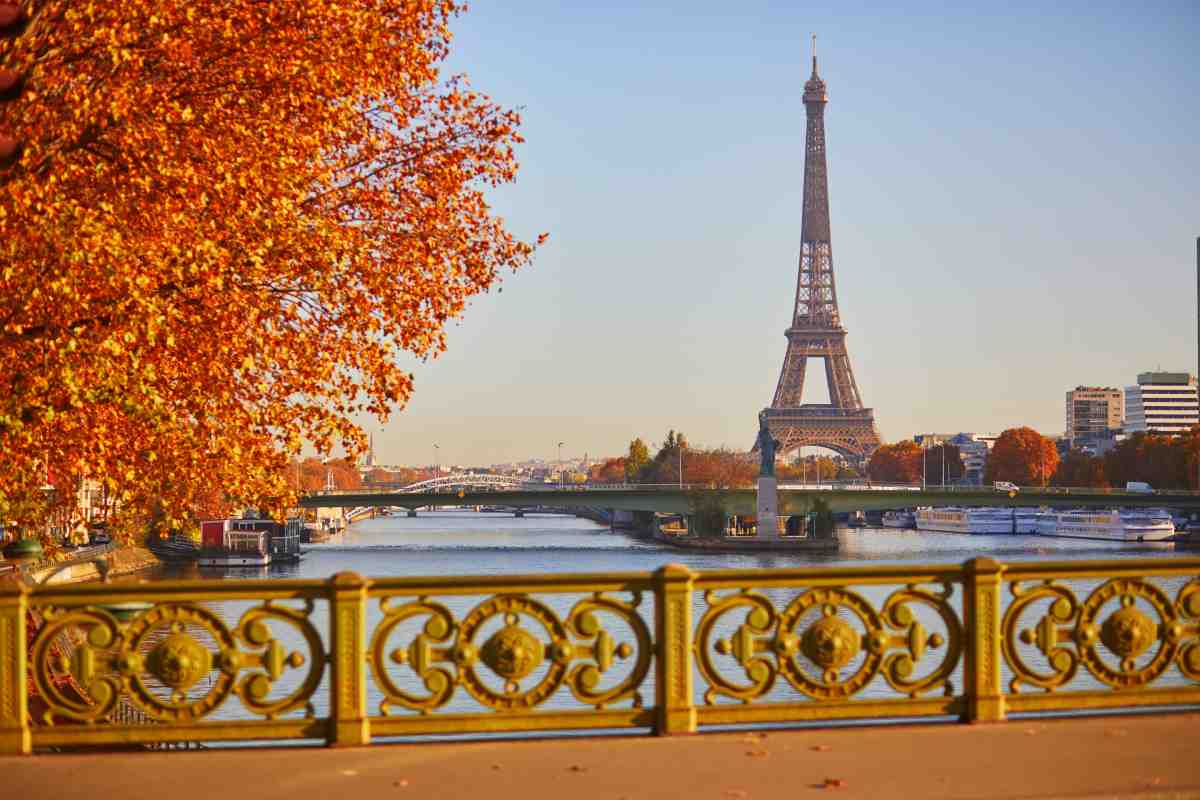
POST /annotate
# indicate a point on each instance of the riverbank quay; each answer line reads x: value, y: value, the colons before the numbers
x: 1144, y: 757
x: 80, y: 566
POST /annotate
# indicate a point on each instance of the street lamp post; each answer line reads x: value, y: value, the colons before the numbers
x: 680, y: 447
x: 924, y: 450
x: 560, y: 468
x: 437, y: 462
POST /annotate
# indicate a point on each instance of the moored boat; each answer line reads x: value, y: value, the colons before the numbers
x: 899, y: 519
x: 248, y: 542
x: 965, y: 520
x: 1025, y: 520
x: 176, y: 547
x: 1112, y: 525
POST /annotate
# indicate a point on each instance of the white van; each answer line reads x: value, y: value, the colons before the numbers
x: 1005, y: 486
x: 1139, y: 486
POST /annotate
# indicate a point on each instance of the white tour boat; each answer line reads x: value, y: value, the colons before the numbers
x: 965, y: 520
x: 1025, y: 520
x: 899, y: 519
x: 1119, y: 526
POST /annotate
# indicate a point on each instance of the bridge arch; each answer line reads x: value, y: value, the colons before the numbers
x: 466, y: 480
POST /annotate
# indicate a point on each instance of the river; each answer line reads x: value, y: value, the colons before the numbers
x: 459, y: 542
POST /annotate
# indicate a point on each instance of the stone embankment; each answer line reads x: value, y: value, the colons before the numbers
x: 80, y: 566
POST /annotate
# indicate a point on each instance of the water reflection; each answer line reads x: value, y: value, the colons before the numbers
x: 468, y: 543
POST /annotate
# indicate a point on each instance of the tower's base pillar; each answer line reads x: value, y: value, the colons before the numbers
x: 767, y: 508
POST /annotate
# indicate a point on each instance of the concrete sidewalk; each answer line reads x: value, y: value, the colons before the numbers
x: 1128, y: 756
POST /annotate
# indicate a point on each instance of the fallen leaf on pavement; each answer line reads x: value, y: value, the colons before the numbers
x: 577, y: 768
x: 821, y: 748
x: 835, y: 783
x: 757, y: 753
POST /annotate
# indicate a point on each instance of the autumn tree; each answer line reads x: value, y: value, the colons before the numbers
x: 719, y: 468
x: 636, y: 460
x: 611, y: 471
x: 402, y: 476
x: 1022, y: 456
x: 377, y: 475
x: 1164, y: 462
x: 224, y: 225
x: 1080, y: 469
x: 1189, y: 443
x: 896, y: 463
x: 816, y: 468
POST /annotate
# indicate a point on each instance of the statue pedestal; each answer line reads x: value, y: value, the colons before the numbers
x: 767, y: 508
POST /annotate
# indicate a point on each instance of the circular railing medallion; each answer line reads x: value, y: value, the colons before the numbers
x: 512, y: 653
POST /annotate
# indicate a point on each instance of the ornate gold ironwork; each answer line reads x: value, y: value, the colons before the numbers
x: 891, y: 640
x: 1070, y: 633
x: 512, y: 653
x: 158, y: 646
x: 179, y: 661
x: 865, y: 642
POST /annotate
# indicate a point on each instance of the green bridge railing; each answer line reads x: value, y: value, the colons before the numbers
x: 348, y: 659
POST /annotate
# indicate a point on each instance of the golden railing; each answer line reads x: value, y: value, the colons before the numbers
x: 348, y: 659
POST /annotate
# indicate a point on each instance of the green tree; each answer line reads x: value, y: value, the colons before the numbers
x: 954, y: 463
x: 636, y: 460
x: 665, y: 467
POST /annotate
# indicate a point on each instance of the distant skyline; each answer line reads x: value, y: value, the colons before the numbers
x: 1013, y: 200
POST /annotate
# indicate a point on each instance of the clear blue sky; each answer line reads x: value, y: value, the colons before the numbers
x: 1015, y: 197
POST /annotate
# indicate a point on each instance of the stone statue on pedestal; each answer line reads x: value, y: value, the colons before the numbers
x: 767, y: 445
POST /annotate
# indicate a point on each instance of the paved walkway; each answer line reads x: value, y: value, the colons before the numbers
x: 1133, y: 756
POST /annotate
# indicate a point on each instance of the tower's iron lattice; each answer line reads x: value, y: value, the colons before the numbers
x: 842, y: 425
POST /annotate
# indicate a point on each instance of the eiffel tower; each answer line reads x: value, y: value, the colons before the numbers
x: 842, y: 425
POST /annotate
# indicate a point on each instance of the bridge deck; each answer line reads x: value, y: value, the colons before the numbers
x: 742, y: 501
x: 1111, y: 757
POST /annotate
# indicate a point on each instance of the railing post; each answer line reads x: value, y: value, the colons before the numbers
x: 673, y: 640
x: 14, y: 708
x: 349, y: 725
x: 981, y: 615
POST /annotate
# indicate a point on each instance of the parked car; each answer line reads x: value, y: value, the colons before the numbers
x: 1005, y: 486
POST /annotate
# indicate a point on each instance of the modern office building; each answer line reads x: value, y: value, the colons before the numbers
x: 1162, y: 402
x: 1093, y: 412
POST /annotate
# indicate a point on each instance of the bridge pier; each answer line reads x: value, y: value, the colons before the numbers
x: 412, y: 512
x: 518, y: 512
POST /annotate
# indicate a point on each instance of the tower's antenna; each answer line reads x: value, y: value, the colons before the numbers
x: 814, y: 51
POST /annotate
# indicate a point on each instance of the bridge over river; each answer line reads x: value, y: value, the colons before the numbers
x: 742, y: 501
